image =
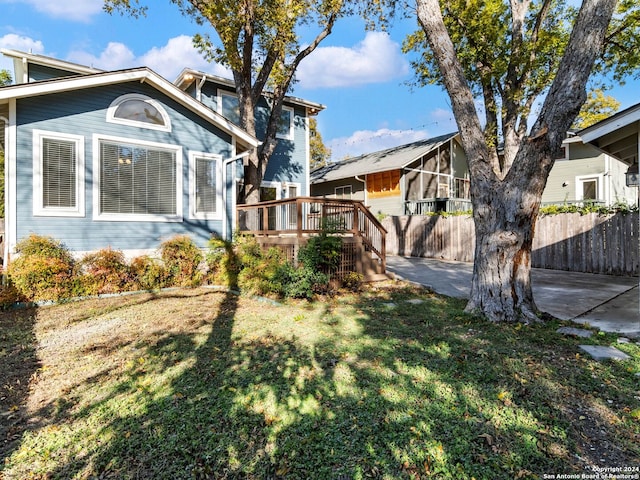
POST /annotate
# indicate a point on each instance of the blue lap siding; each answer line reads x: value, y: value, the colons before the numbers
x: 289, y: 160
x: 84, y: 113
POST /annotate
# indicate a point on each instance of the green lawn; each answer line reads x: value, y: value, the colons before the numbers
x: 393, y: 382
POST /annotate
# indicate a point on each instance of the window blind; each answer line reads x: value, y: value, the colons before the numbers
x: 58, y: 173
x: 137, y: 180
x: 206, y: 194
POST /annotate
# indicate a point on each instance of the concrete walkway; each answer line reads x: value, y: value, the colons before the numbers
x: 609, y: 303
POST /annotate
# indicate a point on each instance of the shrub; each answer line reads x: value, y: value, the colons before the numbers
x: 353, y: 281
x: 302, y: 282
x: 259, y: 270
x: 222, y: 263
x: 148, y: 273
x: 321, y: 253
x: 44, y: 269
x: 9, y: 295
x: 182, y: 257
x: 105, y: 271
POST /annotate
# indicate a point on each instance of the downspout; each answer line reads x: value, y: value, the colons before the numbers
x: 365, y: 188
x: 225, y: 213
x: 607, y: 185
x: 199, y: 88
x: 6, y: 213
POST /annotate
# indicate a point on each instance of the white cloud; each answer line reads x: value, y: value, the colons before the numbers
x: 168, y: 60
x: 374, y: 60
x: 24, y: 44
x: 367, y: 141
x: 177, y: 54
x: 115, y: 57
x: 17, y: 42
x: 74, y: 10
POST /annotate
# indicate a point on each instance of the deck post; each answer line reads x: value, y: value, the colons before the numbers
x: 299, y: 217
x: 354, y: 209
x: 265, y: 218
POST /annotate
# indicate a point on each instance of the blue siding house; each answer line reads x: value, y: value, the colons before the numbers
x: 127, y: 159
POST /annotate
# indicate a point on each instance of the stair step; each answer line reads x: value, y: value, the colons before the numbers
x: 378, y: 277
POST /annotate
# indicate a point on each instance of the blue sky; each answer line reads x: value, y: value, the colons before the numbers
x: 360, y: 76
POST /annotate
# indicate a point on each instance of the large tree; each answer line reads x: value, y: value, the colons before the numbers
x: 259, y: 40
x: 510, y: 55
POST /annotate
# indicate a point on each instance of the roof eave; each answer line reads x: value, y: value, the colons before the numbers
x: 188, y: 75
x: 139, y: 74
x: 48, y: 61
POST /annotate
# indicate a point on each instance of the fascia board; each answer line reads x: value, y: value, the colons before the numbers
x: 49, y: 62
x: 611, y: 124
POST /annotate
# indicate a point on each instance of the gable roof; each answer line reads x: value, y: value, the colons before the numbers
x: 22, y: 59
x: 617, y: 135
x: 143, y: 75
x: 188, y: 76
x: 381, y: 161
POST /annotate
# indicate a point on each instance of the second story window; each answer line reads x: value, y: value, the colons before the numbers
x: 230, y: 106
x: 139, y: 111
x: 285, y: 126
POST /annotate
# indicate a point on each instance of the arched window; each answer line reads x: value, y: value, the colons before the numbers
x: 138, y: 110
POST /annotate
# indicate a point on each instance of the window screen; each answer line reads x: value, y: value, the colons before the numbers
x: 230, y: 107
x: 284, y: 124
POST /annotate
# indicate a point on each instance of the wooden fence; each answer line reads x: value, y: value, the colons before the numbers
x: 589, y: 243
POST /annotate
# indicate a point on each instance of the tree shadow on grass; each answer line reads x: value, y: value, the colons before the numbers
x: 18, y: 363
x: 387, y: 389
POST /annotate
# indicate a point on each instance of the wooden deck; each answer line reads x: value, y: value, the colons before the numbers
x: 288, y: 224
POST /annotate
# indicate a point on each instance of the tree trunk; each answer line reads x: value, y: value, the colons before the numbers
x: 501, y: 283
x: 505, y: 209
x: 252, y: 179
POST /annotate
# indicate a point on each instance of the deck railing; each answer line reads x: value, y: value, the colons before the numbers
x: 307, y: 216
x: 433, y: 205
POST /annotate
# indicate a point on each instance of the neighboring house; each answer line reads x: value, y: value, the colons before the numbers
x: 619, y: 137
x: 424, y: 176
x: 586, y: 175
x: 128, y: 159
x: 432, y: 175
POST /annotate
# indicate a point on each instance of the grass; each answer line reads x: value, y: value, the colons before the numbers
x: 393, y: 382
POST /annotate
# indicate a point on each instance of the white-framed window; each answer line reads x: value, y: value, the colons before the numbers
x: 285, y: 125
x: 205, y: 186
x: 290, y: 189
x: 229, y: 106
x: 343, y: 192
x: 270, y: 191
x: 589, y: 188
x: 136, y: 180
x: 58, y: 174
x: 137, y: 110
